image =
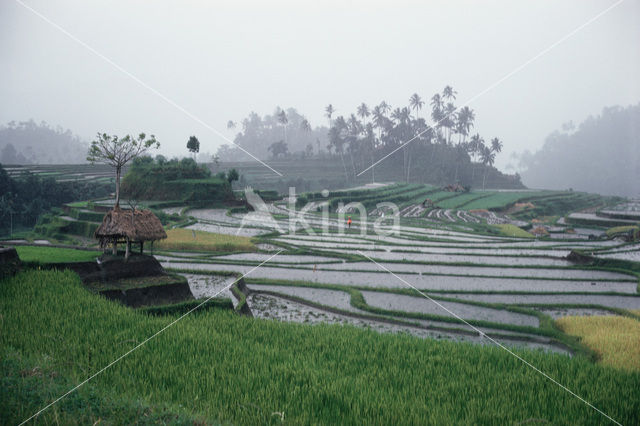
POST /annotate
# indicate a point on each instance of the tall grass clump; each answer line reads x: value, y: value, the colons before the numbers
x: 615, y: 339
x: 219, y: 367
x: 188, y: 239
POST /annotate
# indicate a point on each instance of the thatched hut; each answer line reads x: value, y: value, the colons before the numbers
x: 129, y: 226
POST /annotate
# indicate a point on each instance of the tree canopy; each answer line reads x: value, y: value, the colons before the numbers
x: 602, y: 155
x: 193, y: 145
x: 440, y: 150
x: 117, y: 152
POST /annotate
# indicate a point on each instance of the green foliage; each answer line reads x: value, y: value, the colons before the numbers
x: 560, y: 203
x: 184, y: 180
x: 232, y: 175
x: 509, y: 230
x: 44, y: 255
x: 221, y: 367
x: 117, y: 151
x: 193, y: 145
x: 24, y: 199
x: 53, y: 227
x: 622, y: 230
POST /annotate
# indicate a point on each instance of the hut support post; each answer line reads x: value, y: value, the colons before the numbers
x: 141, y: 247
x: 126, y: 254
x: 115, y: 248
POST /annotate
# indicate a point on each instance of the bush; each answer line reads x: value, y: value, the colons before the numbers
x: 185, y: 180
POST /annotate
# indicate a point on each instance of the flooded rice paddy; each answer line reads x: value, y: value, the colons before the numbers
x: 481, y: 275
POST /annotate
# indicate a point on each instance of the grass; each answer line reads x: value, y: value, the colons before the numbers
x: 621, y: 230
x: 615, y: 339
x: 43, y: 255
x: 218, y: 367
x: 509, y: 230
x: 190, y: 240
x: 500, y: 200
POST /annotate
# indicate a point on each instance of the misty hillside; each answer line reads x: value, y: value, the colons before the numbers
x: 602, y: 155
x: 257, y: 133
x: 27, y: 142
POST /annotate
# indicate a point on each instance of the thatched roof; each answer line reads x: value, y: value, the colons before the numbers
x: 136, y: 225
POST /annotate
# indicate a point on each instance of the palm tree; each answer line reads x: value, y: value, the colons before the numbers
x: 384, y: 107
x: 450, y: 119
x: 449, y: 94
x: 379, y: 120
x: 354, y: 128
x: 437, y: 113
x: 416, y: 103
x: 329, y: 110
x: 282, y: 119
x: 369, y: 134
x: 336, y: 140
x: 305, y: 126
x: 488, y: 157
x: 465, y: 123
x: 476, y: 147
x: 363, y: 113
x: 496, y: 145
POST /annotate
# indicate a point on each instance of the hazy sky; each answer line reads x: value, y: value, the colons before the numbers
x: 221, y: 60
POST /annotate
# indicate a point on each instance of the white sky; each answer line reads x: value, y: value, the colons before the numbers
x: 221, y: 60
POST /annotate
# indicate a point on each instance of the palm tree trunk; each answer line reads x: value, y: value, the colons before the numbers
x: 373, y: 168
x: 346, y: 176
x: 404, y: 162
x: 353, y: 165
x: 128, y: 249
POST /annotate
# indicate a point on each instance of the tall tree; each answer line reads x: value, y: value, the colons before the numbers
x: 363, y: 113
x: 337, y: 140
x: 384, y: 107
x: 488, y: 157
x: 193, y: 145
x: 416, y: 103
x: 117, y: 152
x: 305, y: 126
x: 496, y: 145
x: 464, y: 123
x: 283, y: 120
x: 329, y: 110
x: 449, y: 94
x: 449, y: 120
x: 231, y: 124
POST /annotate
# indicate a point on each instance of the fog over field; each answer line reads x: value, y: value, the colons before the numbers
x: 221, y: 61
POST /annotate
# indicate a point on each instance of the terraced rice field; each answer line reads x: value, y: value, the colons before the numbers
x: 512, y: 288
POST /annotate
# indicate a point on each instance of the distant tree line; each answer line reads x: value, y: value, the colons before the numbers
x: 23, y: 199
x: 601, y: 155
x: 283, y: 134
x: 27, y: 142
x: 443, y: 147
